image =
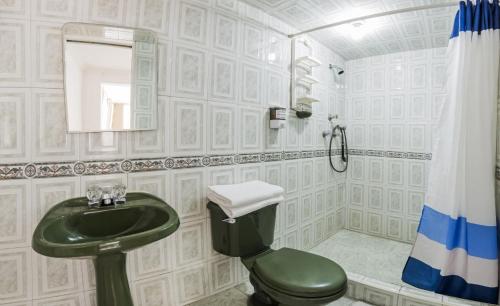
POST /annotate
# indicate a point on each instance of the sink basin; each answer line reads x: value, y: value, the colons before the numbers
x: 71, y: 229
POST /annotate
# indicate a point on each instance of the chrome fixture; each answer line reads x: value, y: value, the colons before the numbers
x: 337, y: 131
x: 106, y: 196
x: 337, y: 69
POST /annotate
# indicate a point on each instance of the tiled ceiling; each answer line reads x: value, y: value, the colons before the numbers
x: 407, y: 31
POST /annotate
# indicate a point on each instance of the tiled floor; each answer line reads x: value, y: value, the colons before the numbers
x: 374, y: 267
x: 236, y: 297
x: 377, y: 258
x: 366, y: 255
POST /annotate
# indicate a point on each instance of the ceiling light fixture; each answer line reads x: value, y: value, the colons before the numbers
x: 358, y: 30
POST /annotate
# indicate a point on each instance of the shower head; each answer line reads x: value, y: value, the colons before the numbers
x: 337, y: 69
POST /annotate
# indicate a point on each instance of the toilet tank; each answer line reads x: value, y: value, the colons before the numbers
x: 248, y: 236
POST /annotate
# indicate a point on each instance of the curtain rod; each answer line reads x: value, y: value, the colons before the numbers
x: 387, y: 13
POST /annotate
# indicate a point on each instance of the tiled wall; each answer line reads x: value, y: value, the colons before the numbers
x: 220, y: 68
x: 393, y: 106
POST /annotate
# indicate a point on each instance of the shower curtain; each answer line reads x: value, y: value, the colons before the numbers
x: 455, y: 252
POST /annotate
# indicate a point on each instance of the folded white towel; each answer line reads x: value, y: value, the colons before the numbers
x: 243, y: 194
x: 235, y: 212
x: 239, y: 199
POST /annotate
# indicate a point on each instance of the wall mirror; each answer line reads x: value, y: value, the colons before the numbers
x: 110, y: 78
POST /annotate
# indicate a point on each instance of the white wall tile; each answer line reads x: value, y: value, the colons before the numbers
x: 223, y: 78
x: 50, y: 140
x: 15, y: 268
x: 15, y: 204
x: 250, y: 129
x: 189, y: 197
x: 50, y: 10
x: 155, y: 15
x: 116, y: 12
x: 14, y: 60
x: 192, y: 22
x: 190, y: 68
x: 47, y: 55
x: 187, y: 121
x: 15, y: 108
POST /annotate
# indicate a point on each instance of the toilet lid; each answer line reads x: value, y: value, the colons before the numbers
x: 300, y: 274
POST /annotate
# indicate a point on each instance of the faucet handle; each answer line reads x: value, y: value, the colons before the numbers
x: 94, y: 195
x: 118, y: 194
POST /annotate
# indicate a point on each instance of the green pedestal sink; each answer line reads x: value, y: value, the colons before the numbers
x: 71, y: 229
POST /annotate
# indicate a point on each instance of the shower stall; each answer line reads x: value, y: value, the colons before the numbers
x: 394, y: 95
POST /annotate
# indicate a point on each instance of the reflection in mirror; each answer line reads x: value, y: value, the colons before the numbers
x: 110, y: 78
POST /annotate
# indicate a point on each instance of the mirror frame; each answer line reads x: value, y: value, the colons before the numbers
x: 95, y: 33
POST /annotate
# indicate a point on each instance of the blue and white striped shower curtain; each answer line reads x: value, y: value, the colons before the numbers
x: 456, y: 251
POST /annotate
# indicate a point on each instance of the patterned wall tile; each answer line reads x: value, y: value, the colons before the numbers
x: 51, y: 10
x: 155, y: 15
x: 223, y: 84
x: 399, y: 135
x: 222, y: 134
x: 116, y: 12
x: 15, y: 223
x: 156, y: 291
x: 15, y: 108
x: 14, y: 60
x: 152, y: 259
x: 15, y: 9
x: 191, y: 284
x: 222, y: 274
x: 156, y: 183
x: 250, y: 129
x: 50, y: 140
x: 189, y: 197
x: 253, y: 41
x: 187, y: 134
x: 192, y: 23
x: 73, y: 300
x: 225, y: 34
x: 47, y: 58
x: 251, y: 82
x: 55, y: 276
x: 190, y: 68
x: 15, y: 268
x: 48, y: 192
x: 150, y: 143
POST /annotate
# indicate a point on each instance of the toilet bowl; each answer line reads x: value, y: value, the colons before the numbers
x: 280, y: 277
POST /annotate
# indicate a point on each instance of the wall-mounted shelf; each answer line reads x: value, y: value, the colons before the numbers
x: 307, y: 62
x: 302, y: 81
x: 307, y: 80
x: 307, y: 100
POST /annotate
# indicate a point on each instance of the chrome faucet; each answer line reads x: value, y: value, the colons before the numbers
x: 106, y: 196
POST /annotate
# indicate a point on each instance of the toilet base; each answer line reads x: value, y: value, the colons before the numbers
x: 260, y: 298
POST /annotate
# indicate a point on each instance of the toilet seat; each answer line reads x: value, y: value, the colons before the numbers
x: 300, y: 274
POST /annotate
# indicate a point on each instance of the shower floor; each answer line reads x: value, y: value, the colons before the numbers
x: 370, y: 256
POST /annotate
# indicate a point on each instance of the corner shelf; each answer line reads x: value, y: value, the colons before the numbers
x: 307, y: 80
x: 307, y: 62
x: 307, y: 100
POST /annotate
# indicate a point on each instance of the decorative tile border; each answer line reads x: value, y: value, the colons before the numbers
x: 100, y: 167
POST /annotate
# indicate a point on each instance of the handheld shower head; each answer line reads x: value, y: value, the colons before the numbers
x: 337, y: 69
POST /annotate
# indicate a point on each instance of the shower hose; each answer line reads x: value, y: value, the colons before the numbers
x: 344, y: 154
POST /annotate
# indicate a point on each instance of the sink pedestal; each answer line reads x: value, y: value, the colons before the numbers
x: 112, y: 282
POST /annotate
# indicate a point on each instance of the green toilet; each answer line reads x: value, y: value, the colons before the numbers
x: 279, y: 277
